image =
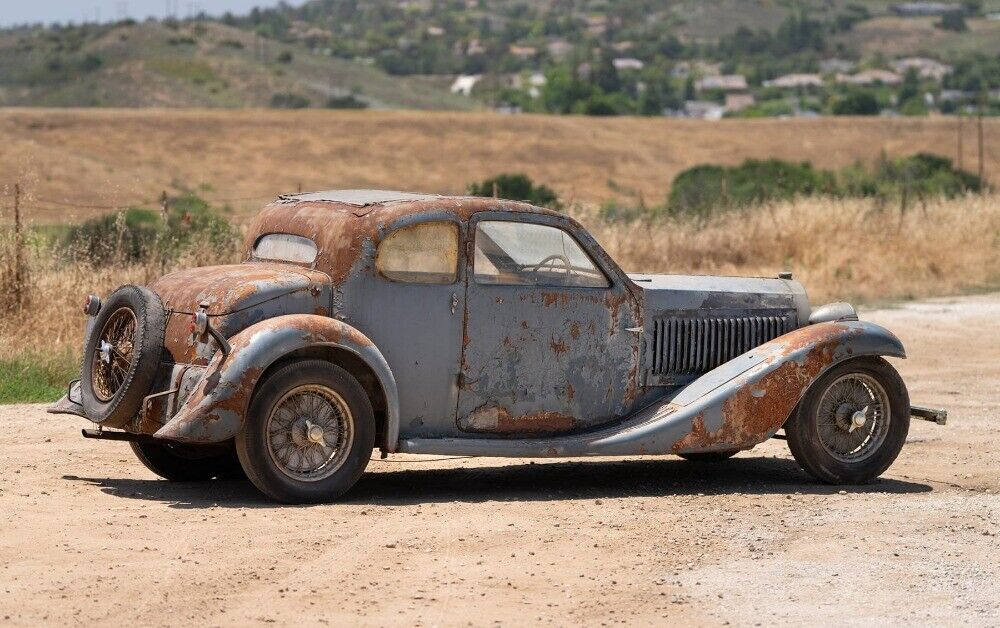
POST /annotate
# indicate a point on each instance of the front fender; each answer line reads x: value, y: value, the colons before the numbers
x: 745, y: 401
x: 215, y: 410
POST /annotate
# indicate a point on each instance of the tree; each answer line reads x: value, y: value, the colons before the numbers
x: 910, y: 87
x: 518, y: 187
x: 857, y: 103
x: 953, y: 21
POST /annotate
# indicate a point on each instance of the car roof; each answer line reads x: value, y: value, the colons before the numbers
x: 358, y: 198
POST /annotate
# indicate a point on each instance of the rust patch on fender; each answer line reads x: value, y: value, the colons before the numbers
x: 758, y: 408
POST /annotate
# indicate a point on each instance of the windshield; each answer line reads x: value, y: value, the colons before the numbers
x: 285, y: 247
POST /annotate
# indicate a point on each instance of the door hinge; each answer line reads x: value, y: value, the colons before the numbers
x: 454, y: 302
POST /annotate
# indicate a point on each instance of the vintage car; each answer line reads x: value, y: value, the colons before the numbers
x: 424, y: 324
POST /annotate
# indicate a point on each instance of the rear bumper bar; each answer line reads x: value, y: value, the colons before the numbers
x: 934, y: 415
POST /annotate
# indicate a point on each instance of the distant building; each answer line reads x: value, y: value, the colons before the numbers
x: 836, y: 66
x: 795, y: 81
x: 685, y: 68
x: 703, y: 110
x: 435, y: 31
x: 523, y: 52
x: 475, y: 48
x: 926, y: 68
x: 738, y: 102
x: 464, y: 83
x: 725, y: 82
x: 870, y: 77
x: 559, y: 48
x: 622, y: 46
x: 627, y: 63
x: 921, y: 9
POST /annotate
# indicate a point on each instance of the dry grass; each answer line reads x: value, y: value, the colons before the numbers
x: 846, y: 250
x: 839, y: 249
x: 108, y: 157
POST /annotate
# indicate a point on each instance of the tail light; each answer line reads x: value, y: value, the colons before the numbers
x: 199, y: 323
x: 92, y: 305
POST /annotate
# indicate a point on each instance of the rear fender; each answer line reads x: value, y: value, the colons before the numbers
x: 215, y: 410
x: 745, y: 401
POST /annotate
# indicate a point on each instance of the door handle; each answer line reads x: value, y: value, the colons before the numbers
x: 454, y: 302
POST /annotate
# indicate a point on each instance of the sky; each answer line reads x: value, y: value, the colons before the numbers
x: 14, y: 12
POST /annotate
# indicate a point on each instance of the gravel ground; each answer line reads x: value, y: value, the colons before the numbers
x: 88, y: 536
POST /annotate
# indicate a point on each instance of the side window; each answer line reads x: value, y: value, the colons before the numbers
x: 521, y: 253
x: 423, y: 253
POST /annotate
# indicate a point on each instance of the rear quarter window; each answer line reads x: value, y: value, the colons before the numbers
x: 285, y: 247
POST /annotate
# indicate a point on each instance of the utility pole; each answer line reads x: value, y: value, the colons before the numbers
x: 958, y: 161
x: 982, y: 164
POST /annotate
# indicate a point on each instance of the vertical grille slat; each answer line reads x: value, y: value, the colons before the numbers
x: 687, y: 345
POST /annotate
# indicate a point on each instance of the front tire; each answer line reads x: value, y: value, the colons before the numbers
x: 309, y: 433
x: 852, y: 422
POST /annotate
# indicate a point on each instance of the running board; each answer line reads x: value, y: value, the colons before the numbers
x: 934, y: 415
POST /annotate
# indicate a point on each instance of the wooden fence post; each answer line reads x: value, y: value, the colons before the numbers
x: 164, y: 208
x: 18, y: 250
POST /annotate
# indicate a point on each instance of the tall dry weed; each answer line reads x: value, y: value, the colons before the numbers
x: 840, y: 250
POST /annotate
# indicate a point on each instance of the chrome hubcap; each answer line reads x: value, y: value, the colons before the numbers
x: 853, y: 417
x: 310, y: 432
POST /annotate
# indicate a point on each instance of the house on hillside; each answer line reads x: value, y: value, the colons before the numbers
x: 464, y: 84
x: 924, y: 9
x: 836, y: 66
x: 926, y: 68
x: 724, y: 82
x: 703, y: 110
x: 522, y: 52
x: 559, y: 49
x: 870, y: 77
x: 796, y: 81
x: 739, y: 101
x: 627, y: 64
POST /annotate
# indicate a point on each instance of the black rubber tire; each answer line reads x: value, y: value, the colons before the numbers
x: 803, y: 439
x: 251, y: 444
x: 189, y: 463
x: 148, y: 344
x: 710, y: 456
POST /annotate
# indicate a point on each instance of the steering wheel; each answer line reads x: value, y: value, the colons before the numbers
x: 549, y: 262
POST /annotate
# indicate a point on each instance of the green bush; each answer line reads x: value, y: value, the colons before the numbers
x: 856, y: 103
x: 289, y: 100
x: 706, y: 189
x: 702, y: 189
x: 518, y: 187
x: 138, y: 235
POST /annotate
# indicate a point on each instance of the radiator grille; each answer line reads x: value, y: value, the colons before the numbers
x: 684, y: 345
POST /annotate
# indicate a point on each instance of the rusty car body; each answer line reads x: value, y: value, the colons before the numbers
x: 472, y: 326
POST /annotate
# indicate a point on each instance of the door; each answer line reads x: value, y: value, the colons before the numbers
x: 412, y: 307
x: 547, y: 347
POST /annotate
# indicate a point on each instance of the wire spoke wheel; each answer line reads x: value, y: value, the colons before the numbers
x: 853, y: 417
x: 309, y: 433
x: 115, y: 354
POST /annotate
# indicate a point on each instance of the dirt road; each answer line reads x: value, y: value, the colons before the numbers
x: 88, y: 536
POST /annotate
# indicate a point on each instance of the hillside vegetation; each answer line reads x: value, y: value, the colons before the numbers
x: 193, y: 64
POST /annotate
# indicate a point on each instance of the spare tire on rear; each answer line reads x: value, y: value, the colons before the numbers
x: 121, y: 355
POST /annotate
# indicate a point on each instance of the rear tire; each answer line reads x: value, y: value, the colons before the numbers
x: 189, y: 463
x: 866, y: 393
x: 309, y: 433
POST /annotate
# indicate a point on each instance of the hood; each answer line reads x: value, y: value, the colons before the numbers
x: 235, y: 287
x: 674, y: 294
